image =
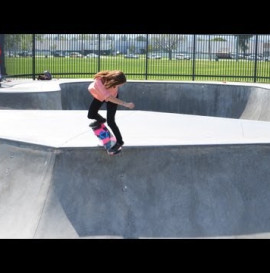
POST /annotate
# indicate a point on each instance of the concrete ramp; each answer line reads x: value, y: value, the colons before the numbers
x: 163, y: 192
x: 257, y: 107
x: 145, y: 192
x: 25, y: 178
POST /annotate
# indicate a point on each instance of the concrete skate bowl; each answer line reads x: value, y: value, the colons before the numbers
x: 240, y: 101
x: 150, y: 192
x: 185, y: 191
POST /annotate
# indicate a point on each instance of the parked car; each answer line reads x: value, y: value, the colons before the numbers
x: 59, y: 54
x: 75, y: 55
x: 235, y: 56
x: 91, y: 55
x: 154, y: 56
x: 253, y: 57
x: 13, y: 55
x: 223, y: 55
x: 25, y: 54
x: 131, y: 56
x: 182, y: 57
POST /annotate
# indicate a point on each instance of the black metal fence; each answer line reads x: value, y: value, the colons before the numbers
x: 243, y: 58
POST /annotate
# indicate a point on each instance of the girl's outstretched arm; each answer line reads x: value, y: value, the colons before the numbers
x: 129, y: 105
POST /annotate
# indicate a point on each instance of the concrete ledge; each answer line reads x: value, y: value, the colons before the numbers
x: 229, y: 100
x: 70, y: 128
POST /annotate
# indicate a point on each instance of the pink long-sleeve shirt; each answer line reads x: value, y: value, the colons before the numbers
x: 99, y: 91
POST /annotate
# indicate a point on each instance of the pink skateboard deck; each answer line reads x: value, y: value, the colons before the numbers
x: 106, y: 138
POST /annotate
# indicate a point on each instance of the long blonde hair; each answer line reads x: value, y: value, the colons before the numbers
x: 111, y: 78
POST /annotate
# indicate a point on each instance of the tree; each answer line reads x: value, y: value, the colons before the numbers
x: 26, y: 42
x: 123, y: 38
x: 166, y: 42
x: 242, y: 43
x: 17, y: 42
x: 141, y: 38
x: 12, y: 41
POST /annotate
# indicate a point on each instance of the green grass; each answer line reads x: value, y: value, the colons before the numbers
x: 135, y: 69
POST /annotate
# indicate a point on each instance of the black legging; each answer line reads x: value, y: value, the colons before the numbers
x: 111, y: 110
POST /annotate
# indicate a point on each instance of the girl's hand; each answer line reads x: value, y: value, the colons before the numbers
x: 130, y: 105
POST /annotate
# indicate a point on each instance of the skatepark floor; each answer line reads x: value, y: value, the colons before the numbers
x: 178, y: 176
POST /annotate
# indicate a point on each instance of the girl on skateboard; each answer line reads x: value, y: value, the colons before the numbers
x: 104, y: 88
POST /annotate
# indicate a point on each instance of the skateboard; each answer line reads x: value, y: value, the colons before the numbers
x: 106, y: 138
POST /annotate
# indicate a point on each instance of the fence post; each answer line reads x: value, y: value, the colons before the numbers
x: 33, y: 57
x: 193, y: 59
x: 256, y: 59
x: 0, y: 67
x: 2, y: 59
x: 99, y: 44
x: 146, y: 59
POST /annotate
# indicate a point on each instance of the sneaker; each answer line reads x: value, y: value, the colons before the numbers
x: 94, y: 124
x: 101, y: 120
x: 115, y: 148
x: 97, y: 123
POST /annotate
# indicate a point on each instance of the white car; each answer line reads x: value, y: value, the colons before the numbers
x: 182, y: 57
x: 252, y: 58
x: 131, y: 56
x: 91, y: 55
x: 154, y: 56
x: 75, y: 55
